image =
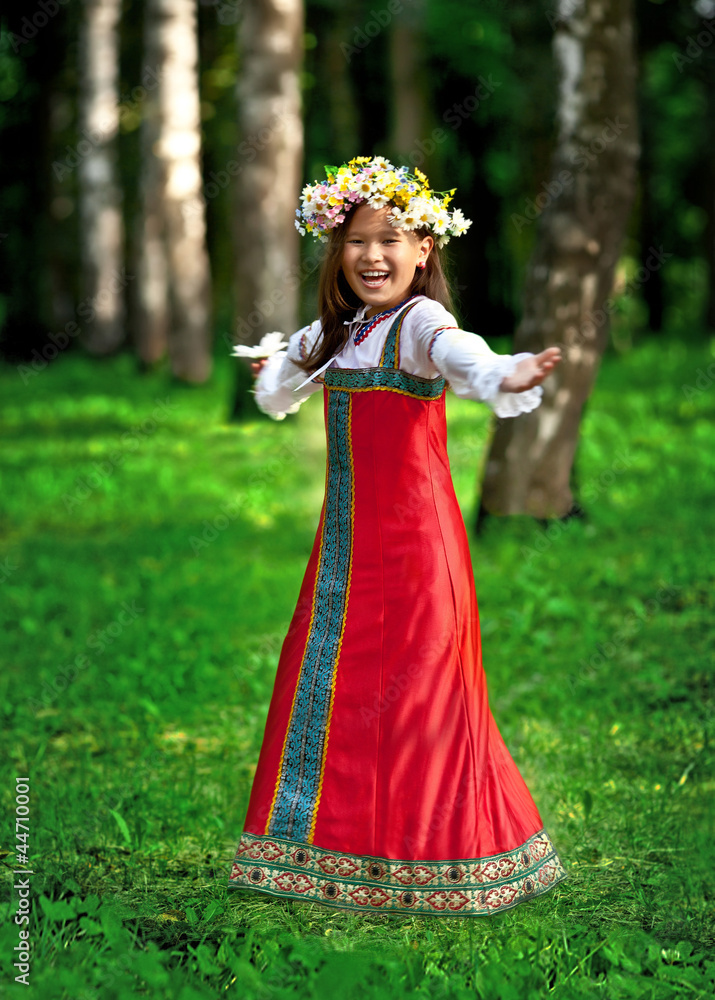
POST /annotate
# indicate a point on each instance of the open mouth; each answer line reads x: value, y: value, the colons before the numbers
x: 374, y: 279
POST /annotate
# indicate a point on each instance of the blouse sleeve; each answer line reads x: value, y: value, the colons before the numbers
x: 472, y: 368
x: 274, y: 389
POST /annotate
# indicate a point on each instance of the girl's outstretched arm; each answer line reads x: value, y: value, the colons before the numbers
x: 509, y: 384
x: 531, y: 371
x: 278, y: 376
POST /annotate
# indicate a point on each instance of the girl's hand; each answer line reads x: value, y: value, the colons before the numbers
x: 531, y: 371
x: 258, y: 366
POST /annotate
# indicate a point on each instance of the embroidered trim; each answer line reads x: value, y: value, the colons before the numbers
x: 362, y: 333
x: 299, y: 782
x: 436, y: 334
x: 390, y: 357
x: 362, y: 379
x: 303, y: 352
x: 464, y: 887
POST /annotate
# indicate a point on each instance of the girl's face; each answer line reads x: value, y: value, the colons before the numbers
x: 379, y: 261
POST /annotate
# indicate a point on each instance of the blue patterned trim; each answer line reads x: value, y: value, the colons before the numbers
x: 301, y: 770
x: 390, y: 357
x: 360, y: 379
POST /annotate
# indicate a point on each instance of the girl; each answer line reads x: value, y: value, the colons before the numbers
x: 383, y: 784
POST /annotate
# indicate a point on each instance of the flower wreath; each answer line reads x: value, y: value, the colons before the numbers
x: 379, y: 183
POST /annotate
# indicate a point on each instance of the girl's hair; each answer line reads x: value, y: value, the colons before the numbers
x: 337, y: 301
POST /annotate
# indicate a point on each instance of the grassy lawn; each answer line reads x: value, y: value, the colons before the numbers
x: 150, y: 558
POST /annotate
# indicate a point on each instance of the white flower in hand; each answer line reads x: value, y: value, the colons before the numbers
x: 270, y: 344
x: 531, y: 371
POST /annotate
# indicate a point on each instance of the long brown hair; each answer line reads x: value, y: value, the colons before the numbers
x: 337, y: 301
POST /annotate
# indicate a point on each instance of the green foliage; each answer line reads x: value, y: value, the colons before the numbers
x: 596, y: 645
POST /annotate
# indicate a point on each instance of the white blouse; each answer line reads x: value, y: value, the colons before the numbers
x: 431, y: 344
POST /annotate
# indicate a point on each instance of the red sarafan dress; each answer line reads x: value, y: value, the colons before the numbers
x: 383, y: 784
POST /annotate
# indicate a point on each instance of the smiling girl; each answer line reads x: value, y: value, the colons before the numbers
x: 383, y: 784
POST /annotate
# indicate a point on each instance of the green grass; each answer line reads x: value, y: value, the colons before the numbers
x: 148, y: 572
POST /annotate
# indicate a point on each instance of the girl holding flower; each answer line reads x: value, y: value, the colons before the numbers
x: 383, y: 783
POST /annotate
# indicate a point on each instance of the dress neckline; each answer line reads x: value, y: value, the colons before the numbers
x: 372, y: 321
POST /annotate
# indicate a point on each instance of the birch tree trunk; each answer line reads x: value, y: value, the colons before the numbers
x: 582, y: 215
x: 269, y: 168
x: 152, y: 289
x: 174, y: 279
x: 102, y: 230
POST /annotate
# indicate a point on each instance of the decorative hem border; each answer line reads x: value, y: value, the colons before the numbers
x: 463, y: 887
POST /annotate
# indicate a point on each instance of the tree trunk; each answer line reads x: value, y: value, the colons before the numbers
x: 410, y: 114
x: 270, y: 158
x: 583, y: 210
x: 336, y: 91
x: 174, y: 280
x: 102, y: 231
